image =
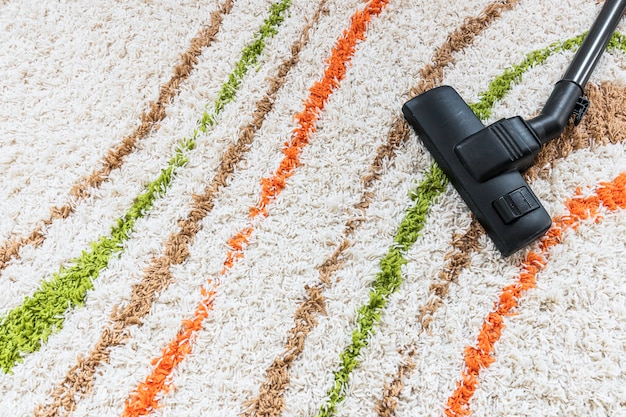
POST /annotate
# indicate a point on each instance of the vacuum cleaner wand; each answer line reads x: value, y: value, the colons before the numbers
x: 485, y: 163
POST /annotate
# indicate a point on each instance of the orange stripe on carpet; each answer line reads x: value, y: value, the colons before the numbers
x: 145, y: 398
x: 318, y: 95
x: 612, y: 196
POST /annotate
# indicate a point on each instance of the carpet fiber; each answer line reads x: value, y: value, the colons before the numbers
x: 216, y: 208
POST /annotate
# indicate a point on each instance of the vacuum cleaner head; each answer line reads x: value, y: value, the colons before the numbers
x: 485, y: 163
x: 504, y: 203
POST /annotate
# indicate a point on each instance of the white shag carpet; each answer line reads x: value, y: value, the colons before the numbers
x: 216, y: 208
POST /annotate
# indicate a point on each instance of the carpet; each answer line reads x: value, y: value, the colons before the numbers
x: 216, y: 208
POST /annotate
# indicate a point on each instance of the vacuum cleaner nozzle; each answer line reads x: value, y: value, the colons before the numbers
x: 496, y: 193
x: 485, y: 163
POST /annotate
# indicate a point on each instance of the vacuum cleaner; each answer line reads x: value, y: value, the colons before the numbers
x: 485, y: 163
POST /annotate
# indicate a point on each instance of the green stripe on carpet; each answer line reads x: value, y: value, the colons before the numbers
x: 387, y: 281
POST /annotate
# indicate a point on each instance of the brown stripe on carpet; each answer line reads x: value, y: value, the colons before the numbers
x: 270, y: 400
x: 432, y: 75
x: 79, y: 380
x: 604, y: 123
x: 392, y: 390
x: 115, y: 156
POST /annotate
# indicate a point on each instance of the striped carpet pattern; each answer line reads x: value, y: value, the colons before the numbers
x: 216, y: 208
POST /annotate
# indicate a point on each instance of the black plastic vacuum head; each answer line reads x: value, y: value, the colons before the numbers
x: 504, y: 204
x: 485, y: 163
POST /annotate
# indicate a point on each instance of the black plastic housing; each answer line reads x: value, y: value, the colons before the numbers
x: 505, y: 205
x: 505, y: 145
